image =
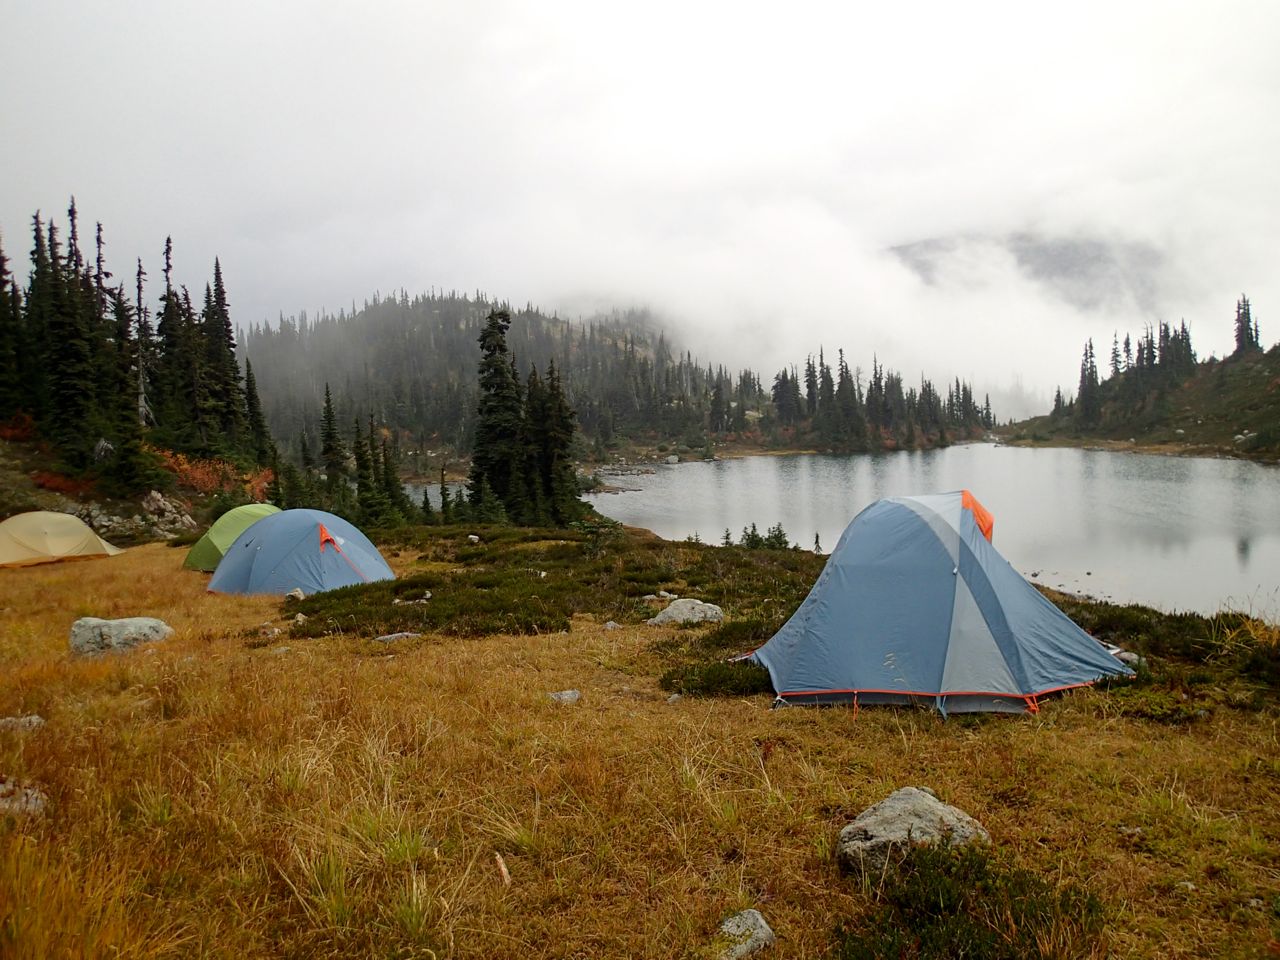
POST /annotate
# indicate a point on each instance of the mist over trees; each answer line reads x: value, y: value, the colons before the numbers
x: 409, y: 361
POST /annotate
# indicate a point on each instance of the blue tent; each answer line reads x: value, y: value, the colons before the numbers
x: 916, y: 606
x: 308, y: 549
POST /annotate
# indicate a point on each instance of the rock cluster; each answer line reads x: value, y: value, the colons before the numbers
x: 161, y: 517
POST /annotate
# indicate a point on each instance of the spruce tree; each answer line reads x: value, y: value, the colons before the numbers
x: 70, y: 363
x: 1246, y: 329
x: 260, y: 445
x: 332, y: 454
x: 497, y: 450
x: 446, y: 508
x: 10, y: 345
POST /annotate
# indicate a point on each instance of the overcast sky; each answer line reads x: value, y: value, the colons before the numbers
x: 965, y: 189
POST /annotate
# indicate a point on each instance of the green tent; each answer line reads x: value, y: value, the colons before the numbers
x: 208, y: 550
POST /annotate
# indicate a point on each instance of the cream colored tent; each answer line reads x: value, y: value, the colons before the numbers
x: 44, y: 537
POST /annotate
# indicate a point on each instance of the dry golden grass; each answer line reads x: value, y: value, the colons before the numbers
x: 214, y: 796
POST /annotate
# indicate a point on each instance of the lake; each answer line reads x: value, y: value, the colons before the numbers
x: 1175, y: 533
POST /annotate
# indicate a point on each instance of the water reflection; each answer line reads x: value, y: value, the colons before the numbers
x: 1176, y: 533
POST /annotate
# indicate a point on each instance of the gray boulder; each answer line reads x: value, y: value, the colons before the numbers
x: 91, y: 635
x: 907, y: 817
x: 393, y: 637
x: 16, y: 798
x: 743, y: 934
x: 29, y: 722
x: 688, y: 611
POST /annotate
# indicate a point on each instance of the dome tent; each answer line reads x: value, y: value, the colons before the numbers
x: 915, y: 605
x: 208, y: 551
x: 43, y: 536
x: 309, y: 550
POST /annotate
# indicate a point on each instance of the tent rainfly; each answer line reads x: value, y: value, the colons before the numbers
x: 310, y: 550
x: 208, y: 551
x: 915, y: 605
x: 43, y: 536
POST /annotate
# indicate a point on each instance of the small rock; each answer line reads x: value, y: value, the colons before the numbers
x: 746, y: 933
x: 267, y: 630
x: 295, y: 594
x: 18, y: 799
x: 673, y: 459
x: 1132, y: 833
x: 565, y: 696
x: 1254, y: 903
x: 1131, y: 658
x: 611, y: 625
x: 29, y: 722
x: 688, y: 611
x: 281, y: 650
x: 409, y: 603
x: 472, y: 538
x: 650, y: 596
x: 393, y: 637
x: 675, y: 698
x: 663, y: 595
x: 906, y: 817
x: 1185, y: 885
x: 92, y: 635
x: 300, y: 618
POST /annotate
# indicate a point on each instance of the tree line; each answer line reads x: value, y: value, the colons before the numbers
x: 83, y: 364
x: 837, y: 411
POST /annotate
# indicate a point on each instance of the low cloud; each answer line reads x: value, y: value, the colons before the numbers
x: 958, y: 191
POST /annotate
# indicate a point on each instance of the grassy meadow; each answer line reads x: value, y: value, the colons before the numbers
x: 318, y: 794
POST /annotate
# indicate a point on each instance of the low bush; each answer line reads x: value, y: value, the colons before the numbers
x: 718, y: 678
x: 526, y: 580
x: 944, y: 903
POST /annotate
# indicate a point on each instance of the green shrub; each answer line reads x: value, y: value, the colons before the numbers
x: 718, y: 678
x: 1151, y: 703
x: 946, y: 903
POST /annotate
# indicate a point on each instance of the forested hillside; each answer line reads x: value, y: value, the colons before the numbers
x: 410, y: 362
x: 1152, y: 389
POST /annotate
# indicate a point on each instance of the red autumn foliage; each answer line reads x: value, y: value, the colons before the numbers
x: 208, y: 476
x: 18, y: 428
x: 60, y: 483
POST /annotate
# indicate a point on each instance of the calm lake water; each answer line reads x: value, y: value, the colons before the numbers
x: 1174, y: 533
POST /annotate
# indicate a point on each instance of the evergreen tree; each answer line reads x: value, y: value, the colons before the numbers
x: 1088, y: 401
x: 1247, y: 340
x: 497, y: 450
x: 10, y: 344
x: 225, y: 395
x: 260, y: 444
x: 332, y: 454
x: 70, y: 362
x: 446, y: 508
